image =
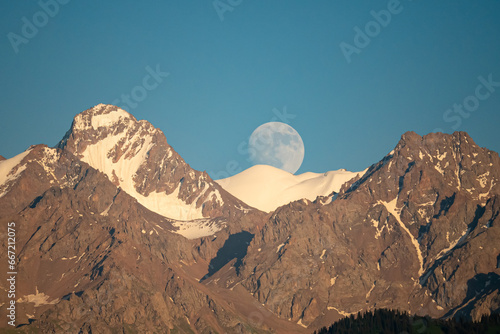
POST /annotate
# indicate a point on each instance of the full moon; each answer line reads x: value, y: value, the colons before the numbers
x: 277, y: 144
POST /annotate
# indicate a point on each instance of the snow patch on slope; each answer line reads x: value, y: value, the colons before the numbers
x: 452, y: 245
x: 168, y: 205
x: 110, y: 119
x: 267, y: 188
x: 391, y: 208
x: 38, y: 299
x: 7, y: 172
x: 197, y: 228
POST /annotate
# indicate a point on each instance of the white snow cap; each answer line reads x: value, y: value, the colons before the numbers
x: 102, y: 115
x: 135, y: 147
x: 267, y: 188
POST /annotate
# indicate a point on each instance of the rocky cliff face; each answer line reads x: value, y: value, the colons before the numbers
x: 417, y: 232
x: 101, y: 248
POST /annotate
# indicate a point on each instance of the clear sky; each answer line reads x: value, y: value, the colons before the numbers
x: 350, y: 78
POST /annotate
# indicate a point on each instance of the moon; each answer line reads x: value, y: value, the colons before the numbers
x: 277, y: 144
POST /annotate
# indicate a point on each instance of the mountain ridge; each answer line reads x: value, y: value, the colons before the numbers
x: 418, y: 231
x: 394, y: 228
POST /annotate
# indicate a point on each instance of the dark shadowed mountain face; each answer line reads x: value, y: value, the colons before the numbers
x: 116, y: 233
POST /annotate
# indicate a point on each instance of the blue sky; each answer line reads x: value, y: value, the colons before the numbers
x: 244, y: 63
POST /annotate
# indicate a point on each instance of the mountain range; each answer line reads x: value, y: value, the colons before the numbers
x: 115, y: 232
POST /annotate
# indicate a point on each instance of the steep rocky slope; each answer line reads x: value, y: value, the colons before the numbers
x: 418, y: 231
x: 105, y: 241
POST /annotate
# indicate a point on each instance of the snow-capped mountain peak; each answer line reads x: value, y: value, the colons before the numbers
x: 266, y: 187
x: 136, y: 157
x: 102, y: 116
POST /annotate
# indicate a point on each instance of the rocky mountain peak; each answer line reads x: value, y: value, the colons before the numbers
x: 452, y: 160
x: 416, y: 227
x: 411, y: 141
x: 101, y: 122
x: 102, y: 115
x: 409, y: 137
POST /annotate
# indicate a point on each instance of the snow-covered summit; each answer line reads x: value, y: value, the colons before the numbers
x: 136, y: 157
x: 102, y: 116
x: 267, y: 188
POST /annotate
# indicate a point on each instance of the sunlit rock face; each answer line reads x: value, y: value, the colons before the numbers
x: 417, y: 231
